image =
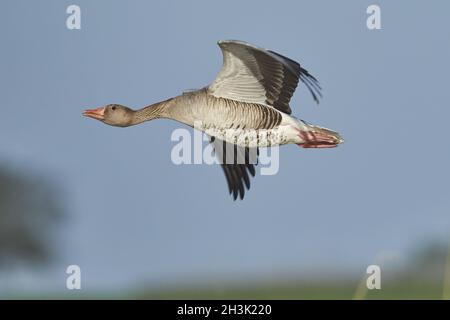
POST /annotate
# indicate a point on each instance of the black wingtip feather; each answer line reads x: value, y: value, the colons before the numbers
x: 237, y: 174
x: 311, y: 83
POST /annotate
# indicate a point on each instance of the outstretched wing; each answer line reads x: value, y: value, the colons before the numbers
x: 256, y: 75
x: 238, y: 164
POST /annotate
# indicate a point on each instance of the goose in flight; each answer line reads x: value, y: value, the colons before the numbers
x: 244, y: 108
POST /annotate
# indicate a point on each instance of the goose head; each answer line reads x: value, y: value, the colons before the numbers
x: 112, y: 114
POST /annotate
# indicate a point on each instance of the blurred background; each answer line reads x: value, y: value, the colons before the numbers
x: 110, y: 200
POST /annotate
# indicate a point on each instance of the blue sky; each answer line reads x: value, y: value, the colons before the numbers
x: 135, y: 217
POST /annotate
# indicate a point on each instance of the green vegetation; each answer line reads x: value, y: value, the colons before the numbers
x: 415, y: 290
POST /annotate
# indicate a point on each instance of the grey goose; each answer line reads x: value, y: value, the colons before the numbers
x: 245, y: 107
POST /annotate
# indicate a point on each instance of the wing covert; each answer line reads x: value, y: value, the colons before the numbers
x: 252, y: 74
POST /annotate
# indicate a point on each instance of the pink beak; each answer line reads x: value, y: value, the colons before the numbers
x: 98, y: 113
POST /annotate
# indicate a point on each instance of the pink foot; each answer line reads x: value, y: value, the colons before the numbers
x: 319, y: 138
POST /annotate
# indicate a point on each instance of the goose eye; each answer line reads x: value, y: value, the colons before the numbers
x: 113, y: 107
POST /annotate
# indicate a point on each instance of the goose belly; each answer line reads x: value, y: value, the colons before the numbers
x: 252, y: 138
